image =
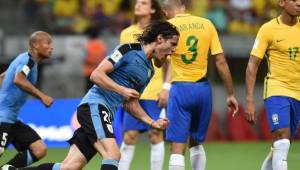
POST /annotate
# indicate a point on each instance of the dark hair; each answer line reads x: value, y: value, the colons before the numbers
x: 163, y: 28
x: 157, y: 15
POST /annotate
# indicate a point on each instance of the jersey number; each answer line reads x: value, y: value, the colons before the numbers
x: 4, y: 139
x: 192, y: 42
x: 293, y: 51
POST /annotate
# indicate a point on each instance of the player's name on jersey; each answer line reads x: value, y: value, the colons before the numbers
x: 190, y: 26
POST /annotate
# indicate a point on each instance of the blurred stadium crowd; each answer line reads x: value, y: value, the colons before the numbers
x: 76, y: 16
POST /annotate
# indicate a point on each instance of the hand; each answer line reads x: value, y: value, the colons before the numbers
x: 47, y: 100
x: 232, y: 105
x: 129, y: 93
x: 163, y: 97
x: 160, y: 124
x: 250, y: 112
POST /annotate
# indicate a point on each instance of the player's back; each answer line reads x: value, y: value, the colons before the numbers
x: 197, y: 37
x: 12, y: 97
x: 132, y: 69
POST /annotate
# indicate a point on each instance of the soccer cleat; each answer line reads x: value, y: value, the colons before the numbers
x: 8, y: 167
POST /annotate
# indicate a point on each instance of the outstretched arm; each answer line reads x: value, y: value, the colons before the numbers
x: 251, y: 72
x: 100, y: 77
x: 21, y: 81
x: 225, y: 75
x: 133, y: 107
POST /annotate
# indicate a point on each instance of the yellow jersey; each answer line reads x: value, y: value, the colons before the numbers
x: 128, y: 35
x: 280, y: 45
x: 198, y: 36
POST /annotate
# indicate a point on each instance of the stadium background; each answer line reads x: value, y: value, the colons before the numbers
x: 233, y: 144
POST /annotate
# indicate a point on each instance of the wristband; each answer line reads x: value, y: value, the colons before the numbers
x: 167, y: 86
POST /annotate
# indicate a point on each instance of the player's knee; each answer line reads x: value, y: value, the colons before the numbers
x: 113, y: 154
x: 130, y: 138
x: 40, y: 152
x: 155, y: 136
x: 281, y: 134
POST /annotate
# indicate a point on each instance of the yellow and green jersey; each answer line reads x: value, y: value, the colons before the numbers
x: 128, y: 35
x: 198, y: 36
x: 280, y: 45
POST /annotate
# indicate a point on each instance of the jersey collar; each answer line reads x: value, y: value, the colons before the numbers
x: 183, y: 15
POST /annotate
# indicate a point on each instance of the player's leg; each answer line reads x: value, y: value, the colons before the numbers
x: 155, y: 136
x: 131, y: 126
x: 109, y: 150
x: 178, y: 131
x: 201, y: 115
x: 267, y: 164
x: 279, y: 117
x: 127, y: 148
x: 29, y: 145
x: 96, y: 122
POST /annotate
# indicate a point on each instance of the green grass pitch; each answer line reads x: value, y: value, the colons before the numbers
x: 220, y: 156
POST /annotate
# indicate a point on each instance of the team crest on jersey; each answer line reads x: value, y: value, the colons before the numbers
x: 275, y: 119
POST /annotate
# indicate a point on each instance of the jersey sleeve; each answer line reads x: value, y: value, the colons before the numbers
x: 261, y: 43
x: 215, y: 45
x: 25, y: 67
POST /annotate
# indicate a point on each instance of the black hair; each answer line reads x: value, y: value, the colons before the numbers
x: 163, y: 28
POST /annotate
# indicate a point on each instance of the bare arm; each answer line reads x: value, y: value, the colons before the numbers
x: 251, y: 72
x: 163, y: 96
x: 133, y: 107
x: 21, y: 81
x: 225, y: 75
x: 100, y: 77
x: 1, y: 78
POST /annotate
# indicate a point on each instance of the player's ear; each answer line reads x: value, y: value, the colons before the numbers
x: 159, y: 39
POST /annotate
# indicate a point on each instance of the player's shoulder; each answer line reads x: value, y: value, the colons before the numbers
x: 22, y: 58
x: 273, y: 23
x: 130, y: 29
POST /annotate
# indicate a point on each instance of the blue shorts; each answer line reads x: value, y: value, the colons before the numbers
x: 189, y: 111
x: 283, y: 112
x: 151, y: 108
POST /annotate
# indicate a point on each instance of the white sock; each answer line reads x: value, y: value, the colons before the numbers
x: 198, y: 157
x: 176, y: 162
x: 280, y: 153
x: 127, y: 152
x: 157, y: 156
x: 267, y: 164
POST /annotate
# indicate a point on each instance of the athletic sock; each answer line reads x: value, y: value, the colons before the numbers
x: 197, y: 157
x: 127, y: 152
x: 176, y: 162
x: 280, y: 153
x: 22, y: 159
x: 157, y: 156
x: 267, y: 164
x: 109, y: 164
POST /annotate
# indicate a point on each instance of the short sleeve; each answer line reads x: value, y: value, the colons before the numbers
x: 215, y: 45
x: 25, y: 67
x: 261, y: 43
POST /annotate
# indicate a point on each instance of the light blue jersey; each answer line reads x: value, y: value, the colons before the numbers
x: 132, y: 69
x: 12, y: 98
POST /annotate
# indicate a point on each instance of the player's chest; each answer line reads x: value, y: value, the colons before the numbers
x: 287, y: 43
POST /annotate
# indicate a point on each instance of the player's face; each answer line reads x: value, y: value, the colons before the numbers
x: 45, y: 47
x: 165, y: 47
x: 292, y: 7
x: 143, y: 8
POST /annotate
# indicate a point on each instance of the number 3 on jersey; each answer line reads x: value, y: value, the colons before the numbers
x: 192, y: 42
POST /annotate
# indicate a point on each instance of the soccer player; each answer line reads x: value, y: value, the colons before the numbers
x: 277, y: 41
x: 190, y: 100
x: 15, y: 84
x: 120, y: 78
x: 145, y: 11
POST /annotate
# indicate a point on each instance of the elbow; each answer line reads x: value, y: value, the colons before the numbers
x: 17, y: 81
x: 93, y: 76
